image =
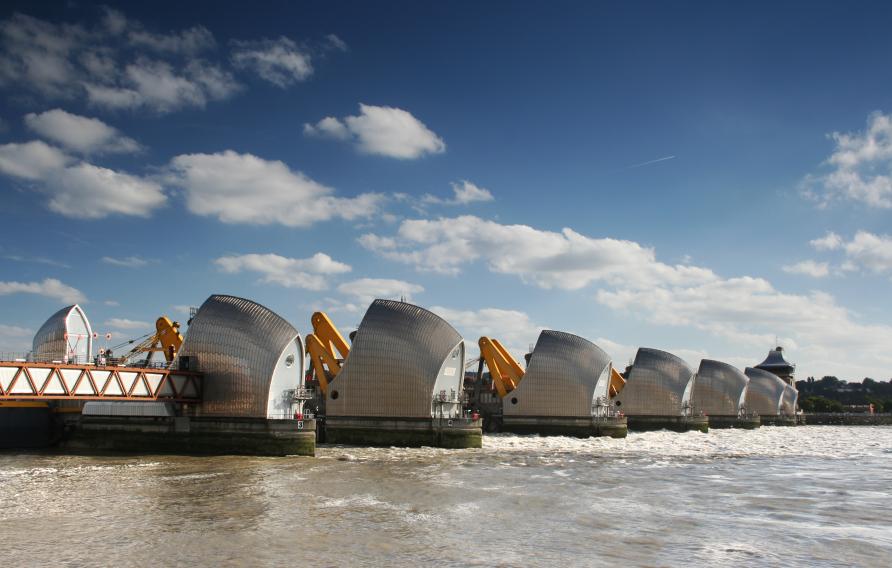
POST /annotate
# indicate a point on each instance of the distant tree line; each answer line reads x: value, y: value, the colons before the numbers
x: 829, y: 394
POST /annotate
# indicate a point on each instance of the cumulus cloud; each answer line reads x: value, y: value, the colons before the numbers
x: 79, y: 133
x: 278, y: 61
x: 31, y: 161
x: 117, y: 64
x: 79, y: 190
x: 830, y: 241
x: 808, y: 268
x: 463, y: 193
x: 865, y: 251
x: 513, y: 328
x: 861, y: 166
x: 49, y: 287
x: 243, y: 188
x: 128, y: 324
x: 364, y: 290
x: 750, y: 312
x: 630, y: 280
x: 126, y: 262
x: 15, y: 337
x: 548, y: 259
x: 308, y: 273
x: 158, y: 86
x: 383, y: 131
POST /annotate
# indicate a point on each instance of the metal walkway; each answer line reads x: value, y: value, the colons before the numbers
x: 44, y: 381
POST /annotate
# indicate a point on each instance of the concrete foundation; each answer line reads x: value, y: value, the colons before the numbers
x: 675, y: 423
x: 745, y: 423
x: 189, y: 436
x: 404, y: 432
x: 583, y: 427
x: 768, y: 420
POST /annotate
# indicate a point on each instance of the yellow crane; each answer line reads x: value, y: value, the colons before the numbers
x: 323, y: 346
x: 166, y: 339
x: 505, y: 371
x: 617, y: 382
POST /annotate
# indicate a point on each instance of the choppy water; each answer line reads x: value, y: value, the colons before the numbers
x: 808, y: 496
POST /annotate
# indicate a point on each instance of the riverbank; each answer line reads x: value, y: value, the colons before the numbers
x: 848, y: 419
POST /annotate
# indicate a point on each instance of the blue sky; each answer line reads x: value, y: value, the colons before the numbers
x: 696, y: 177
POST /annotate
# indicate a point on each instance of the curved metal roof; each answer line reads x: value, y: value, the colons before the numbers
x: 241, y: 347
x: 66, y: 332
x: 775, y: 361
x: 719, y: 389
x: 658, y: 385
x: 765, y: 391
x: 400, y: 354
x: 788, y: 402
x: 561, y: 379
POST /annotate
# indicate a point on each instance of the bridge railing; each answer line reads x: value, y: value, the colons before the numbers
x: 32, y: 380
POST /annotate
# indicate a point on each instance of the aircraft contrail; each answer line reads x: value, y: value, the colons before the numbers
x: 649, y: 162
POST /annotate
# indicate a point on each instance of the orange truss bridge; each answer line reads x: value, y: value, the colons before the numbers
x: 44, y: 381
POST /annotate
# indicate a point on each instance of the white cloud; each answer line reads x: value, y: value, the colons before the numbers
x: 127, y: 262
x: 158, y: 86
x: 383, y: 131
x: 868, y: 251
x: 308, y: 273
x: 79, y: 133
x: 243, y: 188
x: 463, y: 192
x: 548, y: 259
x: 862, y: 166
x: 364, y: 290
x: 747, y: 311
x: 81, y: 190
x: 108, y: 64
x: 124, y: 323
x: 112, y: 303
x: 188, y: 41
x: 35, y: 54
x: 336, y: 43
x: 86, y: 191
x: 278, y: 61
x: 49, y: 287
x: 750, y: 312
x: 15, y: 337
x: 513, y: 328
x: 830, y: 241
x: 808, y: 268
x: 31, y: 160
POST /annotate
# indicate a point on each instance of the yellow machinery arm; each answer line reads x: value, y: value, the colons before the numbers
x: 167, y: 339
x: 322, y: 346
x: 505, y: 371
x: 617, y: 382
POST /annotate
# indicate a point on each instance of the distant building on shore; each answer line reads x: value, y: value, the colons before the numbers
x: 775, y: 363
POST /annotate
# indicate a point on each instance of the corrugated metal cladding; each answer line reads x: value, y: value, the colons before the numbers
x: 765, y: 392
x: 788, y: 403
x: 658, y: 385
x: 50, y: 343
x: 719, y: 389
x: 398, y: 354
x: 561, y: 378
x: 239, y: 345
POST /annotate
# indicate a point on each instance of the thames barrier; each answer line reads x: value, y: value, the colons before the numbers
x: 237, y: 383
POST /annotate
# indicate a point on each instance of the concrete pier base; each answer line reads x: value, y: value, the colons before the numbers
x: 582, y: 427
x: 768, y: 420
x: 675, y: 423
x: 745, y: 423
x: 404, y: 432
x: 190, y: 436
